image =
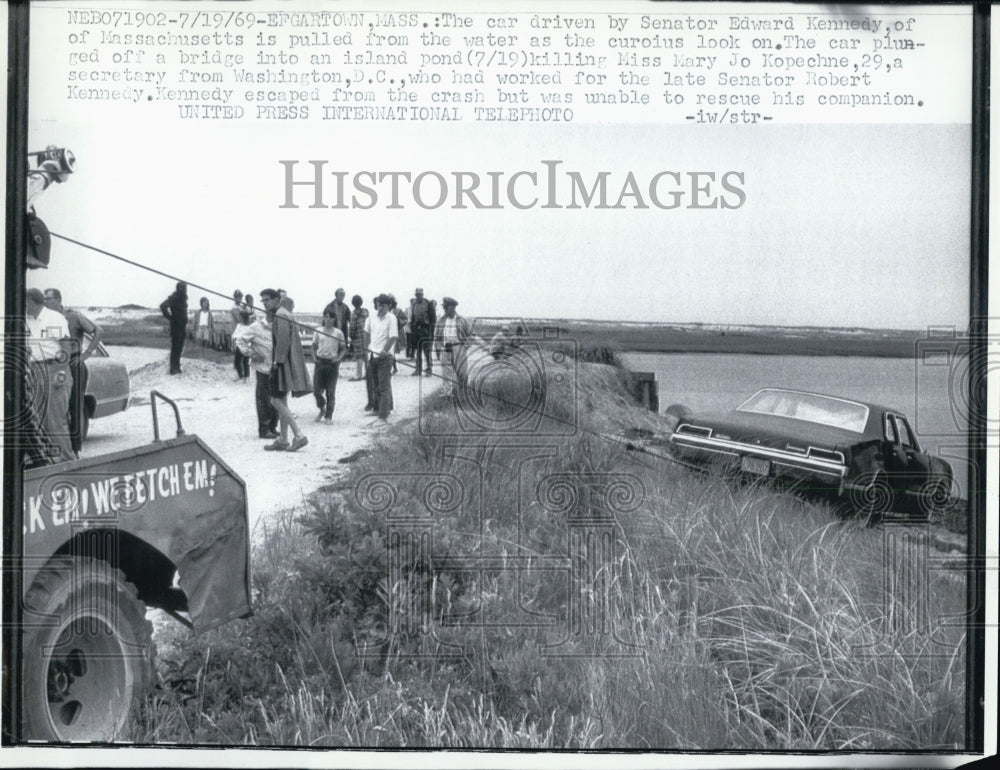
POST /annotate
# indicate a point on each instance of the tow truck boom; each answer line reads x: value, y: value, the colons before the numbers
x: 52, y: 165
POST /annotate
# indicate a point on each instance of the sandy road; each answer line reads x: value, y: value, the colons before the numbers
x: 220, y: 410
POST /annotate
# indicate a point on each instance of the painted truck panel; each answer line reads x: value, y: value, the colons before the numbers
x: 176, y: 495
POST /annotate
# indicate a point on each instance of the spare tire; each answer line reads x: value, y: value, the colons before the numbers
x: 88, y: 653
x: 675, y: 413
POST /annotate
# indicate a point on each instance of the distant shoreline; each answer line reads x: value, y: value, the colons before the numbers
x: 131, y: 325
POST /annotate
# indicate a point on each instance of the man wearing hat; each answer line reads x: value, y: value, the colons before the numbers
x: 451, y: 333
x: 382, y: 331
x: 50, y: 381
x: 423, y: 316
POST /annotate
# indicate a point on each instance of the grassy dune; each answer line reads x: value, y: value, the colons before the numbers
x: 698, y: 615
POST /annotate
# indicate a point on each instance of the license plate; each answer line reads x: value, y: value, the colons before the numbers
x: 755, y: 465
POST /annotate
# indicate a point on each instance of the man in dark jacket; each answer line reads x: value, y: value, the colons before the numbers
x: 450, y: 337
x: 288, y: 370
x: 341, y: 313
x: 423, y: 315
x: 175, y: 309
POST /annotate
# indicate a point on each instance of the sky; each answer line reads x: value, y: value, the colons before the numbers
x: 842, y: 225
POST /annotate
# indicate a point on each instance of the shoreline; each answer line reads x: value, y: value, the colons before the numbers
x: 144, y: 327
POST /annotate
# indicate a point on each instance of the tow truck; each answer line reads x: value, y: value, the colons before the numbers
x: 162, y: 525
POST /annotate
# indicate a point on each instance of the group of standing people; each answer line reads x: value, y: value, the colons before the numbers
x: 201, y: 325
x: 417, y: 331
x: 270, y: 344
x: 374, y: 340
x: 59, y: 341
x: 414, y: 328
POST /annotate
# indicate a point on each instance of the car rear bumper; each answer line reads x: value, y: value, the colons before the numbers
x: 756, y: 459
x: 109, y: 406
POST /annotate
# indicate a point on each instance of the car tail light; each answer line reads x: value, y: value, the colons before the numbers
x: 826, y: 454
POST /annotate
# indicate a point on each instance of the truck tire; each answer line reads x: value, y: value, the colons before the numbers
x: 88, y: 653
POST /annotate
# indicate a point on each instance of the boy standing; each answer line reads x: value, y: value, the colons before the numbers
x: 329, y: 348
x: 382, y: 332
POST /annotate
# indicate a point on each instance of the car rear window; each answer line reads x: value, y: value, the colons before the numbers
x: 810, y: 407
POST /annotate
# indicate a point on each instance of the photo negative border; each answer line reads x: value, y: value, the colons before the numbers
x: 16, y: 242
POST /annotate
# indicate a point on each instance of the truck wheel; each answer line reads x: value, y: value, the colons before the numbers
x: 88, y: 653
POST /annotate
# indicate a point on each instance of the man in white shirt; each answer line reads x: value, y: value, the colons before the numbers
x: 50, y: 381
x: 85, y: 336
x: 254, y: 342
x: 382, y: 331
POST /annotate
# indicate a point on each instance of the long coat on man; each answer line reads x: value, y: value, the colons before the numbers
x: 289, y: 354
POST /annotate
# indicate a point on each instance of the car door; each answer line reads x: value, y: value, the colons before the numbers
x: 907, y: 466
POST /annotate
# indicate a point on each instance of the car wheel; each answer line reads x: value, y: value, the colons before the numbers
x: 933, y: 498
x: 88, y: 653
x: 874, y: 499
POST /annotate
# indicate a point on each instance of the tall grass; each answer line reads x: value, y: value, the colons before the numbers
x: 737, y: 617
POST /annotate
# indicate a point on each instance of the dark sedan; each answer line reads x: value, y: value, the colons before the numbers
x: 862, y: 453
x: 108, y: 389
